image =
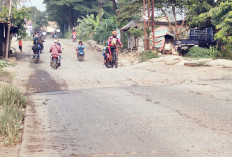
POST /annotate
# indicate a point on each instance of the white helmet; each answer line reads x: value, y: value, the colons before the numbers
x: 55, y: 41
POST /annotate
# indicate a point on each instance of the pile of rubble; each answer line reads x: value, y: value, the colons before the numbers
x: 181, y: 61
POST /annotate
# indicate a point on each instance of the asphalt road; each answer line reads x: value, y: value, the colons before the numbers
x: 85, y: 110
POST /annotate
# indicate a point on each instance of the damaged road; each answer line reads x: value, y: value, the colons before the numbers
x: 83, y: 109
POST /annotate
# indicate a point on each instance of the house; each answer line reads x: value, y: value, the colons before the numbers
x: 162, y: 27
x: 29, y: 28
x: 52, y: 26
x: 3, y: 37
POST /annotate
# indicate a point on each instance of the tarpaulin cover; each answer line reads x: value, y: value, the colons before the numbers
x: 160, y: 34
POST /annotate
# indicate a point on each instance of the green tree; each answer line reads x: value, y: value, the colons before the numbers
x: 104, y: 30
x: 129, y: 10
x: 66, y: 12
x: 197, y: 8
x: 18, y: 18
x: 38, y: 18
x: 87, y: 27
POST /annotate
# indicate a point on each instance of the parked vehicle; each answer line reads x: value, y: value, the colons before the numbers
x: 55, y: 62
x: 112, y: 60
x: 196, y: 37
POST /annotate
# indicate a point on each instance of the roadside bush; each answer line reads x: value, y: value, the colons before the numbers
x: 225, y: 52
x: 4, y: 63
x: 199, y: 52
x: 4, y: 74
x: 147, y: 55
x: 12, y: 103
x: 68, y: 35
x: 104, y: 30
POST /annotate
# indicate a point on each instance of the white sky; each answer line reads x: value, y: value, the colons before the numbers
x: 37, y: 3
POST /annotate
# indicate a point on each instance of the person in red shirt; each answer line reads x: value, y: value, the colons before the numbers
x: 20, y: 45
x: 112, y: 43
x: 56, y: 50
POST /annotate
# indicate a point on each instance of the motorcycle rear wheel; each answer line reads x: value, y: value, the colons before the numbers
x: 54, y: 63
x: 80, y: 57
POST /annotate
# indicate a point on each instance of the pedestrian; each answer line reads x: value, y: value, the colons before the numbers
x: 20, y: 45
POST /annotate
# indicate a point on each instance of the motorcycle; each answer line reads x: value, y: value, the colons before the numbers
x: 36, y: 57
x: 74, y: 38
x: 55, y: 63
x: 80, y: 55
x: 55, y: 36
x: 44, y: 37
x: 112, y: 60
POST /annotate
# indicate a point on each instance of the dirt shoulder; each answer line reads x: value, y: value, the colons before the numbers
x: 202, y: 76
x: 17, y: 75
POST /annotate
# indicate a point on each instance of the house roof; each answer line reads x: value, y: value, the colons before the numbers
x: 2, y: 22
x: 158, y: 21
x: 13, y: 29
x: 133, y: 23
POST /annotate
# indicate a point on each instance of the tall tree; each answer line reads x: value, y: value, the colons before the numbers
x: 66, y: 12
x: 129, y: 10
x: 197, y: 8
x: 115, y: 6
x: 171, y: 9
x: 38, y: 18
x: 18, y: 18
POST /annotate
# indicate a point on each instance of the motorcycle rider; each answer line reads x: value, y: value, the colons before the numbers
x: 112, y: 43
x: 80, y: 47
x: 36, y: 38
x: 74, y: 33
x: 36, y: 48
x: 56, y: 50
x: 44, y: 34
x: 58, y: 43
x: 40, y: 41
x: 104, y: 53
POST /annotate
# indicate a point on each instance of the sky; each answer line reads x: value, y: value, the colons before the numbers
x: 37, y: 3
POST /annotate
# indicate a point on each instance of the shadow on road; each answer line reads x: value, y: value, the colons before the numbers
x: 41, y: 81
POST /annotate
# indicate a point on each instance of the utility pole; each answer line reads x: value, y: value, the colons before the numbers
x: 145, y: 27
x: 100, y: 11
x: 148, y: 13
x: 153, y: 25
x: 148, y: 24
x: 8, y: 30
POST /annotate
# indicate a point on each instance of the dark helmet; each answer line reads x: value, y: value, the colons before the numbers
x: 80, y: 42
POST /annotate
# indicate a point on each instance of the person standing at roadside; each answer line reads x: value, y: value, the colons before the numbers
x: 20, y: 45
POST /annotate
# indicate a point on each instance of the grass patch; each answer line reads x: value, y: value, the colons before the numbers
x: 199, y: 52
x: 68, y: 35
x: 12, y: 103
x: 4, y: 63
x: 145, y: 56
x: 4, y: 73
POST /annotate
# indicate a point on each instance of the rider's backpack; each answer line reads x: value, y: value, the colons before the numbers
x: 35, y: 48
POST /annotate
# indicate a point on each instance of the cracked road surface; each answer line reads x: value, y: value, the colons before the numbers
x: 83, y: 109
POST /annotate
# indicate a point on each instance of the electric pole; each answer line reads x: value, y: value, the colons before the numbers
x: 153, y: 25
x: 148, y: 24
x: 145, y: 27
x: 148, y: 13
x: 8, y: 31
